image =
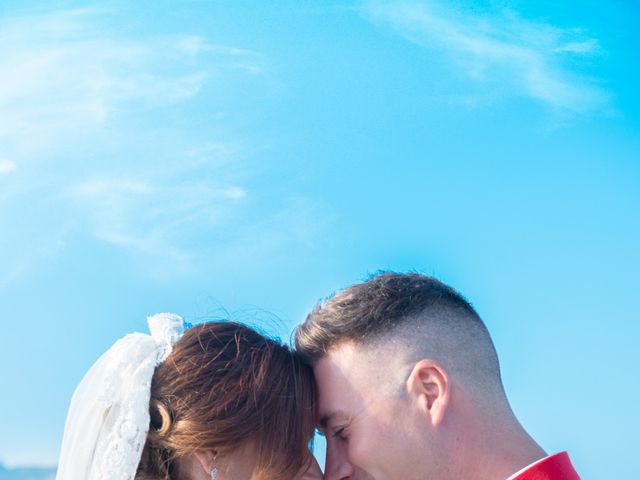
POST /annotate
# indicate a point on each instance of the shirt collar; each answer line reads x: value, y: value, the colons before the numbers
x: 547, y: 468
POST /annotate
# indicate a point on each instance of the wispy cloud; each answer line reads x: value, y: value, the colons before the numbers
x: 6, y: 167
x: 501, y: 50
x: 155, y: 220
x: 97, y: 120
x: 65, y: 71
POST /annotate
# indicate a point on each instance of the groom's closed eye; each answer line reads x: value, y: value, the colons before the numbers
x: 331, y: 432
x: 340, y: 432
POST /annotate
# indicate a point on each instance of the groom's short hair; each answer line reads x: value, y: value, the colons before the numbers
x: 410, y: 311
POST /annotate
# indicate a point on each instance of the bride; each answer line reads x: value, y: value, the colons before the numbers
x: 216, y: 401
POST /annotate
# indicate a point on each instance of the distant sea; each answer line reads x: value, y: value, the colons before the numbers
x: 26, y: 473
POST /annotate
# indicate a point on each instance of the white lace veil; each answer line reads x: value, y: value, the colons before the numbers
x: 108, y: 419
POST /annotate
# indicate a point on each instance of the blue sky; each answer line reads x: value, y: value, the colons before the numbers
x: 205, y: 157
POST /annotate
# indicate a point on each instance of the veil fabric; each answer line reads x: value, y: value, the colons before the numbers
x: 108, y: 419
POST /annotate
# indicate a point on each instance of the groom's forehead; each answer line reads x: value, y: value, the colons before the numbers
x: 335, y: 370
x: 345, y: 377
x: 358, y: 363
x: 343, y: 400
x: 342, y: 365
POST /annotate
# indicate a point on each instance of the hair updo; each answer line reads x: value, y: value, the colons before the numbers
x: 223, y: 387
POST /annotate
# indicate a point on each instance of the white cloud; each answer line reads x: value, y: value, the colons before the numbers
x: 581, y: 48
x: 6, y: 167
x: 66, y: 71
x: 155, y: 220
x: 500, y: 50
x: 109, y: 187
x: 128, y: 138
x: 88, y: 113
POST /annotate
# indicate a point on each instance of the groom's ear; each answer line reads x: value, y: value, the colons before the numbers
x: 429, y: 386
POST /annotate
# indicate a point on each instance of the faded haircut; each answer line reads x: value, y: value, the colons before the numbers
x: 410, y: 310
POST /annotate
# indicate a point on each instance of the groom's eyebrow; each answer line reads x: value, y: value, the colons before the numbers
x: 324, y: 422
x: 327, y: 418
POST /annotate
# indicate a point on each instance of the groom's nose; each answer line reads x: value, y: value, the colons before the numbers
x: 337, y: 465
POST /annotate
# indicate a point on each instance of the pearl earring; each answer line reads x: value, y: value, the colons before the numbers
x: 214, y: 473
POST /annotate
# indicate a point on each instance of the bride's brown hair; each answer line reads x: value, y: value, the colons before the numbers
x: 226, y: 386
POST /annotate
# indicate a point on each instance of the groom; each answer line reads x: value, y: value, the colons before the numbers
x: 409, y: 388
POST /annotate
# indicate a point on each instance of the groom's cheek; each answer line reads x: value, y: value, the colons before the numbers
x: 337, y: 457
x: 362, y: 450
